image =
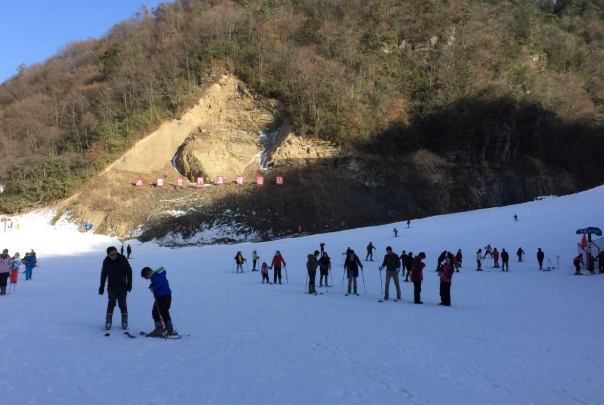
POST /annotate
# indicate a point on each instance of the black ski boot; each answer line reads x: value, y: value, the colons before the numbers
x: 158, y: 331
x: 124, y: 320
x: 170, y: 329
x: 108, y: 320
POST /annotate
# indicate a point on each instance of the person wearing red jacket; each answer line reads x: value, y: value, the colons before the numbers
x: 496, y: 258
x: 278, y: 261
x: 417, y: 275
x: 578, y: 261
x: 446, y: 274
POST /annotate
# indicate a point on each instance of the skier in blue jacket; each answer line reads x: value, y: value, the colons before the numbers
x: 163, y: 298
x: 30, y: 263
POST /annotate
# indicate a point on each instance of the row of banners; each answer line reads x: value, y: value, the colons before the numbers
x: 220, y: 180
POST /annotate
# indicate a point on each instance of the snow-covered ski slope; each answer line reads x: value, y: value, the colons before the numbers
x: 523, y: 337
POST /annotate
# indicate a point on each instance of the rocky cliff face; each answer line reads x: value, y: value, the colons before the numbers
x: 327, y: 186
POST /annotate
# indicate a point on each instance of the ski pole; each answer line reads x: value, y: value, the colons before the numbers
x: 286, y: 278
x: 342, y: 288
x: 381, y: 286
x: 330, y: 275
x: 246, y: 266
x: 363, y: 275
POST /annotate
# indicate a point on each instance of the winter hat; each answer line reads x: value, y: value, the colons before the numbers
x: 422, y: 255
x: 145, y: 270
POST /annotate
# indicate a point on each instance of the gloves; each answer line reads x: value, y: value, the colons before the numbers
x: 129, y: 288
x: 101, y: 290
x: 151, y: 285
x: 381, y: 268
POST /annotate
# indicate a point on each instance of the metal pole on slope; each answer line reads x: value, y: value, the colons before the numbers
x: 286, y: 277
x: 363, y: 275
x: 381, y: 285
x: 342, y: 288
x: 330, y: 275
x: 305, y: 283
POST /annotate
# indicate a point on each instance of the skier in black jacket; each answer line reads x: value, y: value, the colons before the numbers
x: 519, y: 253
x: 459, y: 258
x: 540, y: 257
x: 118, y: 274
x: 505, y: 260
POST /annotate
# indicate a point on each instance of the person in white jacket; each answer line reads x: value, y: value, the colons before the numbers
x: 6, y: 265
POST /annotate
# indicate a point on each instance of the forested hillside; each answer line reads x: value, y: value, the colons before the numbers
x: 476, y: 81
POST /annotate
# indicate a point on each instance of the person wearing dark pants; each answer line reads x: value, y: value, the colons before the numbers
x: 446, y: 274
x: 578, y: 261
x: 417, y: 276
x: 519, y: 253
x: 311, y: 265
x: 278, y: 260
x: 129, y: 251
x: 479, y: 260
x: 162, y: 295
x: 118, y: 275
x: 505, y: 260
x: 540, y: 257
x: 600, y: 258
x: 325, y: 267
x: 370, y: 250
x: 392, y: 264
x: 6, y: 265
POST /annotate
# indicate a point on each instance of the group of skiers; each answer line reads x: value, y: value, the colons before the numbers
x: 591, y: 259
x: 128, y: 251
x: 117, y: 274
x: 277, y: 264
x: 505, y: 258
x: 9, y: 268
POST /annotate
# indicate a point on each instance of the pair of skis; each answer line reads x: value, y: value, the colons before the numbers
x: 131, y: 336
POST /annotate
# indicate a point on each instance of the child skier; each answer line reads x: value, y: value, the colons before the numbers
x: 264, y: 271
x: 163, y: 298
x: 239, y: 261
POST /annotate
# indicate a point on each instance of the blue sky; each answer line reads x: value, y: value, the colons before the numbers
x: 32, y: 31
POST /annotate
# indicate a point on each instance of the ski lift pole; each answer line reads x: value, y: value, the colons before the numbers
x: 381, y: 285
x: 285, y: 268
x: 330, y: 275
x: 342, y: 288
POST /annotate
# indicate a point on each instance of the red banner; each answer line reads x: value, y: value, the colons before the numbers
x: 180, y: 181
x: 159, y: 183
x: 200, y: 181
x: 138, y: 182
x: 279, y: 180
x: 260, y: 180
x: 219, y: 180
x: 240, y: 180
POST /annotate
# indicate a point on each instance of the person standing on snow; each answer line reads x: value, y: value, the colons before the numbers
x: 311, y: 265
x: 370, y: 250
x: 515, y: 218
x: 395, y: 232
x: 446, y: 274
x: 459, y: 258
x: 600, y: 259
x: 239, y: 260
x: 479, y: 259
x: 163, y: 300
x: 393, y: 266
x: 325, y: 268
x: 408, y: 223
x: 6, y: 265
x: 277, y: 262
x: 540, y: 257
x: 264, y: 271
x: 417, y: 275
x: 118, y: 274
x: 30, y: 263
x: 255, y: 259
x: 352, y: 265
x: 129, y: 251
x: 578, y: 261
x: 505, y: 260
x: 519, y: 253
x: 122, y: 250
x: 407, y: 265
x: 495, y: 258
x: 322, y: 246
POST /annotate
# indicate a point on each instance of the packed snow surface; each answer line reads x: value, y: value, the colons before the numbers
x: 523, y: 337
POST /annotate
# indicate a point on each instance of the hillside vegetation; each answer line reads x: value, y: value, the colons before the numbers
x: 479, y: 81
